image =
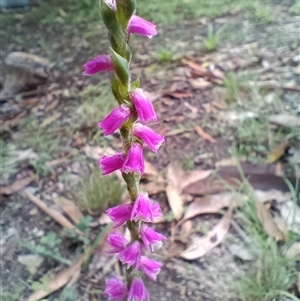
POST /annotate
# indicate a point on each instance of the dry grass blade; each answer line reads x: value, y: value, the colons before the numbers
x: 269, y: 224
x: 202, y: 245
x: 60, y: 280
x: 70, y: 208
x: 57, y: 216
x: 16, y: 186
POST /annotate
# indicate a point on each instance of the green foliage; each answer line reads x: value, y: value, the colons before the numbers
x: 270, y: 278
x: 296, y: 8
x: 273, y: 274
x: 98, y: 102
x: 84, y: 227
x: 164, y: 55
x: 51, y: 240
x: 94, y: 193
x: 42, y: 284
x: 39, y: 165
x: 68, y: 294
x: 212, y: 40
x: 262, y: 12
x: 188, y: 164
x: 7, y: 161
x: 48, y: 246
x: 252, y: 137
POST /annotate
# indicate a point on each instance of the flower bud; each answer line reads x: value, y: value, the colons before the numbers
x: 110, y: 164
x: 116, y: 289
x: 134, y: 161
x: 114, y: 119
x: 142, y: 27
x: 98, y: 64
x: 149, y: 136
x: 143, y: 106
x: 138, y: 291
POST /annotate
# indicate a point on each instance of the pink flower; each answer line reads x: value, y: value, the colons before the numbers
x: 115, y: 289
x: 143, y: 106
x: 151, y: 238
x: 149, y: 136
x: 114, y: 119
x: 110, y: 164
x: 134, y: 161
x: 141, y: 210
x: 131, y: 254
x: 138, y: 291
x: 120, y: 214
x: 150, y: 267
x: 117, y: 241
x: 142, y: 27
x: 98, y: 64
x: 156, y: 210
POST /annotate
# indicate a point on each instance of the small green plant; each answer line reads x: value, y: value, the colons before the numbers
x: 251, y: 139
x: 98, y: 102
x: 270, y: 278
x: 51, y: 240
x: 7, y: 161
x: 48, y: 246
x: 94, y: 193
x: 212, y: 40
x: 164, y: 55
x: 262, y: 12
x: 296, y: 8
x: 274, y: 273
x: 81, y: 231
x: 188, y: 164
x: 39, y: 165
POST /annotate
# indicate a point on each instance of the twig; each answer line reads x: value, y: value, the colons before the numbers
x: 57, y: 216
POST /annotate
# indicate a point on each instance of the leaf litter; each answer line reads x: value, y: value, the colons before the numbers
x: 202, y: 245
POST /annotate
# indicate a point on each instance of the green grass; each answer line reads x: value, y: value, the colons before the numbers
x: 7, y: 161
x: 212, y: 40
x: 273, y: 274
x: 98, y: 101
x: 295, y: 9
x: 81, y: 13
x: 164, y: 55
x: 94, y: 193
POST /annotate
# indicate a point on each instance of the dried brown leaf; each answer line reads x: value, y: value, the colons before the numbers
x: 271, y: 228
x: 204, y: 135
x: 194, y: 176
x: 60, y: 280
x: 57, y: 216
x: 153, y: 187
x: 174, y: 174
x: 70, y: 208
x: 16, y: 186
x: 277, y: 152
x: 202, y: 245
x: 175, y: 201
x: 209, y: 204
